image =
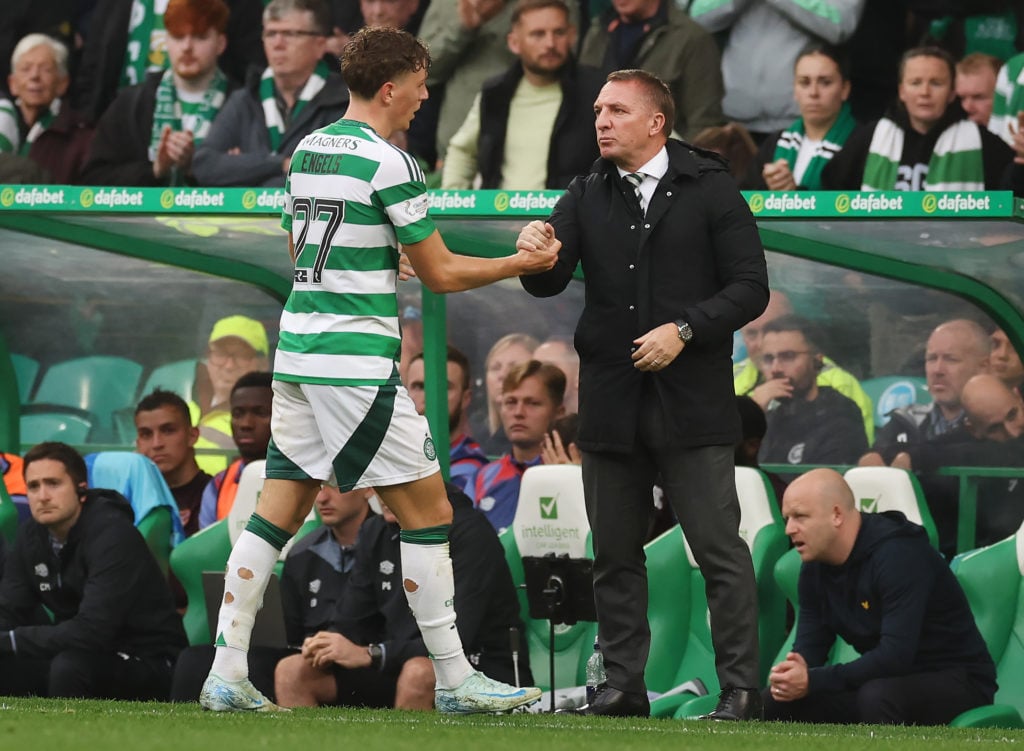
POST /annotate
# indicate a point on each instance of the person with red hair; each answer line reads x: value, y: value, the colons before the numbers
x: 150, y: 132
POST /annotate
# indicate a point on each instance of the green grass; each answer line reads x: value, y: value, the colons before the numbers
x: 28, y: 724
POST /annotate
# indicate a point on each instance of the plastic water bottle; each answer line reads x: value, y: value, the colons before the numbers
x: 595, y: 672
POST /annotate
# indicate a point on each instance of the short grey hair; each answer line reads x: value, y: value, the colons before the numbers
x: 318, y: 9
x: 31, y: 41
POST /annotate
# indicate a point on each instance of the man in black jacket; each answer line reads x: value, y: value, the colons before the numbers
x: 372, y: 653
x: 807, y: 423
x: 544, y: 97
x: 149, y: 133
x: 673, y: 266
x: 114, y: 632
x: 874, y: 580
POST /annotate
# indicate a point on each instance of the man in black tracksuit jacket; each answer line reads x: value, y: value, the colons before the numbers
x: 114, y: 632
x: 876, y: 582
x: 376, y: 624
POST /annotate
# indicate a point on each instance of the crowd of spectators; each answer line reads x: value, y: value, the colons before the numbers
x: 218, y: 92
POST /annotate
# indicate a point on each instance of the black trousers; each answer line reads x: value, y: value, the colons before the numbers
x: 922, y: 699
x: 87, y: 675
x: 701, y: 486
x: 195, y: 662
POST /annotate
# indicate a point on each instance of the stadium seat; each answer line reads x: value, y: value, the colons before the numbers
x: 25, y: 371
x: 67, y: 425
x: 762, y: 529
x: 551, y: 518
x: 892, y: 392
x: 208, y: 550
x: 992, y: 580
x: 890, y: 489
x: 99, y: 384
x: 179, y: 377
x: 137, y: 478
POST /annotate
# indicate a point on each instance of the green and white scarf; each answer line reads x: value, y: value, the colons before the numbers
x: 196, y: 116
x: 40, y: 125
x: 1008, y: 99
x: 10, y: 134
x: 271, y: 113
x: 790, y: 141
x: 955, y: 164
x: 147, y: 41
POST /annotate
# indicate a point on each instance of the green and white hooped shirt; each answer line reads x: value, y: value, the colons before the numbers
x: 351, y: 198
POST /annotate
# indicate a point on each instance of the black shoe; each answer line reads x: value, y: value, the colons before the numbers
x: 611, y: 702
x: 737, y: 704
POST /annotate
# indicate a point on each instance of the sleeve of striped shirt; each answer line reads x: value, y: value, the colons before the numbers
x: 401, y: 189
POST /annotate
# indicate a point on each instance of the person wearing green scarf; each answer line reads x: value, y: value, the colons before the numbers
x: 794, y: 159
x: 925, y: 142
x: 150, y: 132
x: 252, y: 140
x: 41, y: 138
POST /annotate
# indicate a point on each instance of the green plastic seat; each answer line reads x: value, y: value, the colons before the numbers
x: 25, y: 371
x: 99, y: 384
x: 993, y: 580
x: 891, y: 392
x: 178, y: 376
x: 59, y: 425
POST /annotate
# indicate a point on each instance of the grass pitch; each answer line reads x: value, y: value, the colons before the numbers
x: 60, y: 725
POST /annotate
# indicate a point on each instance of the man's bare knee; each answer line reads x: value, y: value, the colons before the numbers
x: 296, y: 682
x: 415, y: 688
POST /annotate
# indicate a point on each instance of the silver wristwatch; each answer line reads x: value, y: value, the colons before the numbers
x: 685, y: 332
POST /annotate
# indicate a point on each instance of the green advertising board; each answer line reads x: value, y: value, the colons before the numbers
x: 491, y: 203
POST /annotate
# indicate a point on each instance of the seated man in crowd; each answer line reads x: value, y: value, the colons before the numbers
x: 466, y: 456
x: 164, y: 433
x: 113, y: 633
x: 253, y: 137
x: 543, y: 98
x: 750, y: 381
x: 42, y: 140
x: 237, y: 345
x: 560, y: 352
x: 808, y: 424
x: 149, y: 133
x: 372, y: 655
x: 976, y: 85
x: 531, y: 401
x: 315, y: 579
x: 1004, y: 362
x: 956, y: 350
x: 874, y: 581
x: 991, y: 437
x: 251, y: 400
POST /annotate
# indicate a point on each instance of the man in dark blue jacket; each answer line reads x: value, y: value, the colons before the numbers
x: 114, y: 632
x: 876, y: 582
